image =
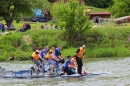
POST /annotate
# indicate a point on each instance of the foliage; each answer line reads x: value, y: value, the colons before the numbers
x: 66, y: 51
x: 22, y: 55
x: 47, y: 37
x: 1, y: 18
x: 105, y: 41
x: 3, y: 56
x: 99, y: 3
x: 12, y: 9
x: 109, y: 52
x: 72, y: 17
x: 120, y: 8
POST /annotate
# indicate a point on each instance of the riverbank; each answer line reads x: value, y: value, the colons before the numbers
x: 105, y: 41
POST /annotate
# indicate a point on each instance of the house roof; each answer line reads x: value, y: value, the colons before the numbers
x: 99, y: 13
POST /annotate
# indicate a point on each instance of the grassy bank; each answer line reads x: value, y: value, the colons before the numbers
x: 105, y: 41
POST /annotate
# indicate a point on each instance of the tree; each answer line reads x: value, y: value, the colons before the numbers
x: 11, y: 9
x: 99, y: 3
x: 72, y: 16
x: 120, y: 8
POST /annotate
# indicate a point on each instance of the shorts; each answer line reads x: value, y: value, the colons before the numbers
x: 36, y: 62
x: 51, y: 62
x: 62, y: 61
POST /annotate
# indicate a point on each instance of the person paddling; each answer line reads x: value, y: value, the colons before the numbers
x: 51, y: 59
x: 43, y: 52
x: 57, y: 53
x: 35, y: 58
x: 69, y: 66
x: 73, y: 65
x: 79, y: 56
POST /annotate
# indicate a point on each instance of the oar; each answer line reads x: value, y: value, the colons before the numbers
x: 85, y: 68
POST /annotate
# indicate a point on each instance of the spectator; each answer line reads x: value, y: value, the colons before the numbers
x: 51, y: 26
x: 12, y: 26
x: 26, y: 26
x: 46, y: 26
x: 57, y: 28
x: 6, y: 26
x: 2, y: 27
x: 97, y: 20
x: 42, y: 26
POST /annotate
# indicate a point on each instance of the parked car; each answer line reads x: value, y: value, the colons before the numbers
x: 39, y: 19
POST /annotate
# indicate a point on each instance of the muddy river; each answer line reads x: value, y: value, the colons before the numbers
x: 118, y: 74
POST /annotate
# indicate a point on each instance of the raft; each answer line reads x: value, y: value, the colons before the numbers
x: 27, y: 74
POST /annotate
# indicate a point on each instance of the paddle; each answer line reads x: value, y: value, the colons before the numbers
x: 85, y: 68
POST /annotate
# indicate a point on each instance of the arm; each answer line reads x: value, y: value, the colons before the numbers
x: 83, y: 55
x: 45, y: 55
x: 77, y: 52
x: 55, y: 58
x: 40, y: 57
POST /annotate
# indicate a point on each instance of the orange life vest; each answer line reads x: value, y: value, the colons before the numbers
x: 81, y: 52
x: 36, y: 56
x: 49, y: 56
x: 73, y: 63
x: 52, y: 51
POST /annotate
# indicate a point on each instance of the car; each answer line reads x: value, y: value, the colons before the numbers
x: 39, y: 19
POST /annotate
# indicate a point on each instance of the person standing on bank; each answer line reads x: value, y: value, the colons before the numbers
x: 79, y: 56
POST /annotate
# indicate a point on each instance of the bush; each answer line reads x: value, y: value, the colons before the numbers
x: 21, y: 55
x: 100, y: 42
x: 69, y: 51
x: 108, y: 52
x: 3, y: 56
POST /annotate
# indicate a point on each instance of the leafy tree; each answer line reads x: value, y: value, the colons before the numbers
x: 12, y: 9
x: 99, y: 3
x: 120, y: 8
x: 72, y: 16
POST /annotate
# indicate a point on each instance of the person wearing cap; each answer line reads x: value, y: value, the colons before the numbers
x: 79, y: 55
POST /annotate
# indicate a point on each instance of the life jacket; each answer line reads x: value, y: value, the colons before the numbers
x: 36, y: 56
x: 72, y: 65
x: 24, y: 25
x: 49, y: 56
x: 53, y: 51
x: 81, y: 52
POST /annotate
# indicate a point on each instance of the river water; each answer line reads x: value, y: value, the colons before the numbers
x: 118, y: 70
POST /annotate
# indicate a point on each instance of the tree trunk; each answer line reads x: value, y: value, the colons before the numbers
x: 9, y: 23
x: 9, y: 17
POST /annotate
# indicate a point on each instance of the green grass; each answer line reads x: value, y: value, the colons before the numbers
x: 34, y: 25
x: 94, y: 9
x: 69, y: 51
x: 106, y: 41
